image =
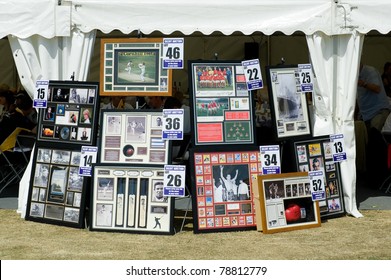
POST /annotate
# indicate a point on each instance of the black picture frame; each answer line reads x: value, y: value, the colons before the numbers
x: 320, y: 150
x: 123, y: 199
x: 288, y: 104
x: 221, y: 106
x: 217, y: 204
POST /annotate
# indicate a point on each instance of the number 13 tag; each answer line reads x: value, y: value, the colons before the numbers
x: 87, y: 158
x: 338, y: 147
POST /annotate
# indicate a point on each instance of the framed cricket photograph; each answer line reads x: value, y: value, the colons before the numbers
x: 133, y: 66
x: 71, y: 114
x: 316, y: 154
x: 57, y: 192
x: 130, y: 199
x: 221, y: 106
x: 222, y: 188
x: 127, y: 137
x: 286, y: 203
x: 288, y: 103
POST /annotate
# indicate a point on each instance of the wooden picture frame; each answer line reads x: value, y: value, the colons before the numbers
x: 125, y: 198
x: 285, y: 203
x: 219, y: 205
x: 290, y: 113
x: 221, y: 106
x: 133, y: 67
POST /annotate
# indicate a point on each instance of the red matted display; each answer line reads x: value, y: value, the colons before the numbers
x: 222, y: 189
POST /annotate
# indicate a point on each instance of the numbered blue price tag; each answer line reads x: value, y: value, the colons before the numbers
x: 252, y: 72
x: 270, y: 159
x: 173, y: 124
x: 41, y: 94
x: 337, y: 141
x: 306, y: 77
x: 174, y: 180
x: 173, y: 53
x: 317, y: 185
x: 88, y: 157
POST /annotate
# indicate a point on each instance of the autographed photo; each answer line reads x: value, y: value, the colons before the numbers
x: 222, y: 189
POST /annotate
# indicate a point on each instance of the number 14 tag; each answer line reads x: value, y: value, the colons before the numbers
x: 87, y: 158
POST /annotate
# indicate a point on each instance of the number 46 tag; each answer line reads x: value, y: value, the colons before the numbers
x: 87, y: 158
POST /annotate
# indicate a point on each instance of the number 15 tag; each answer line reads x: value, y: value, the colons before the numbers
x: 87, y: 158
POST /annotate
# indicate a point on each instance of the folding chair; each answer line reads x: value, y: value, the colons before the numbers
x: 13, y: 150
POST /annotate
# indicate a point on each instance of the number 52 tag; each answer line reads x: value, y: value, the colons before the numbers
x: 317, y: 185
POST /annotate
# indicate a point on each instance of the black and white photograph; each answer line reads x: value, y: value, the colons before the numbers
x: 44, y: 155
x: 41, y: 175
x: 37, y: 209
x: 157, y: 191
x: 71, y: 215
x: 135, y: 129
x: 104, y: 215
x: 113, y: 125
x: 60, y: 95
x: 78, y: 95
x: 105, y: 189
x: 84, y: 134
x: 55, y: 212
x: 75, y: 181
x: 61, y: 157
x: 75, y: 158
x: 231, y: 183
x: 58, y: 182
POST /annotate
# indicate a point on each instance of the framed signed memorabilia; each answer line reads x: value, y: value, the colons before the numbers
x: 221, y: 105
x: 133, y: 137
x: 131, y: 66
x: 288, y: 104
x: 286, y: 203
x: 222, y: 188
x: 130, y: 199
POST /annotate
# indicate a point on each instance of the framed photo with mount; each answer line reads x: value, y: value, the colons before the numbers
x: 221, y: 106
x: 290, y: 112
x: 133, y: 66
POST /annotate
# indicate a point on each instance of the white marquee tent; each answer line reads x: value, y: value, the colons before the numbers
x: 53, y: 39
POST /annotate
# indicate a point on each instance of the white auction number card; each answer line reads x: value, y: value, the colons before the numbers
x: 173, y: 53
x: 306, y: 78
x: 87, y: 158
x: 174, y: 180
x: 253, y: 75
x: 270, y: 159
x: 41, y: 94
x: 173, y: 124
x: 317, y: 184
x: 338, y: 143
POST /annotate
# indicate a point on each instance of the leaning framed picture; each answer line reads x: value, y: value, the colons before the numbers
x: 57, y: 192
x: 222, y: 188
x: 286, y: 203
x: 221, y: 106
x: 133, y: 66
x: 130, y: 199
x: 133, y: 136
x: 290, y: 112
x: 316, y: 154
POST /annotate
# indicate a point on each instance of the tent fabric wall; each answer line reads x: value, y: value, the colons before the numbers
x: 59, y: 58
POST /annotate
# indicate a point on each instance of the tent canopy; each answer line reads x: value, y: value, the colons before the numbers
x: 51, y: 18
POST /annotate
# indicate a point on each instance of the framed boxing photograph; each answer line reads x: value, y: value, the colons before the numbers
x: 133, y: 66
x: 288, y: 104
x: 133, y: 136
x: 57, y: 192
x: 221, y: 106
x: 130, y: 199
x: 222, y: 188
x: 71, y: 115
x: 286, y: 203
x: 316, y: 154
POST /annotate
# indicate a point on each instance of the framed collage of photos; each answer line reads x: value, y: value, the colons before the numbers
x: 288, y: 103
x: 133, y: 66
x: 133, y: 137
x: 130, y: 199
x: 221, y: 105
x: 286, y: 202
x: 57, y: 192
x: 71, y: 113
x: 316, y: 154
x: 222, y: 188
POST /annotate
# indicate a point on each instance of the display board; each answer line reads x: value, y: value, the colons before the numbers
x: 221, y: 105
x: 288, y: 103
x: 132, y: 66
x: 286, y: 202
x: 133, y: 136
x: 130, y: 199
x: 316, y: 154
x: 71, y: 115
x: 222, y: 191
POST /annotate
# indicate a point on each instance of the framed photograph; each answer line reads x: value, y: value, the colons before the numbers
x: 285, y: 203
x: 130, y: 199
x: 57, y: 192
x: 288, y: 104
x: 222, y: 188
x: 132, y: 66
x: 221, y: 106
x: 316, y: 154
x: 71, y: 114
x: 128, y: 137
